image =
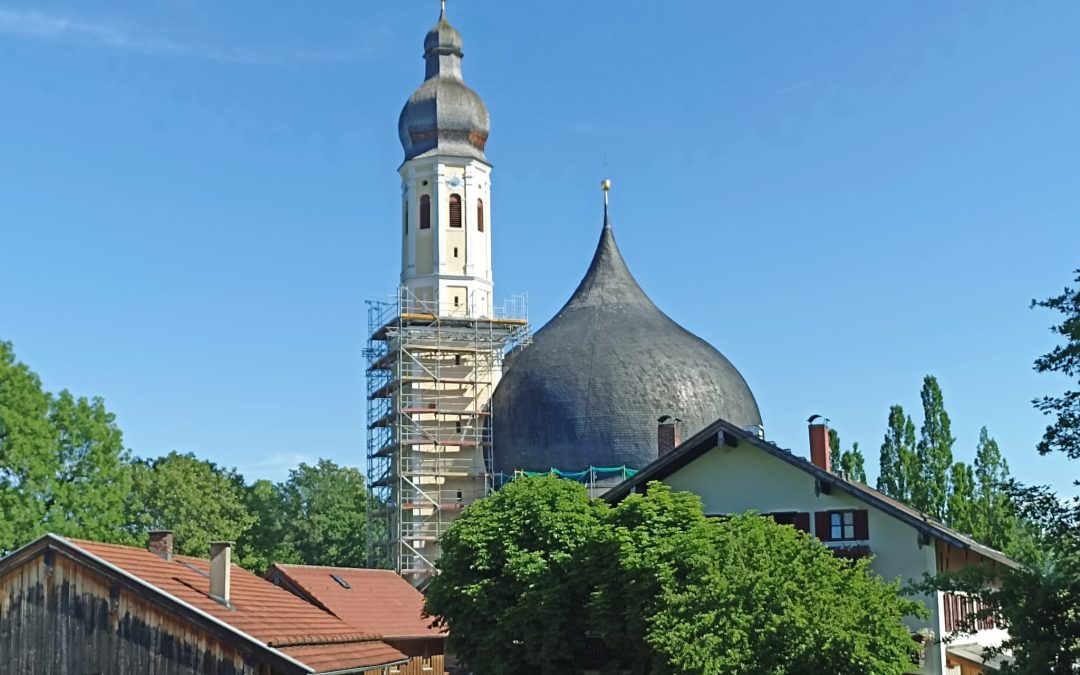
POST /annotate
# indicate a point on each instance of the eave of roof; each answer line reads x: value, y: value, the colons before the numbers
x: 723, y: 433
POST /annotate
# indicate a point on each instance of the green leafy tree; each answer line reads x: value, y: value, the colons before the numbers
x: 850, y: 463
x: 512, y: 587
x: 961, y: 501
x: 1063, y: 435
x: 92, y: 480
x: 325, y: 514
x: 853, y: 464
x: 269, y: 540
x: 27, y: 452
x: 683, y: 594
x: 1038, y: 603
x: 196, y: 499
x: 63, y: 465
x: 898, y: 461
x: 930, y: 493
x: 529, y: 572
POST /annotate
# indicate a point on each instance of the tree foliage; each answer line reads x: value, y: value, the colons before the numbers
x: 529, y: 572
x: 960, y: 512
x: 63, y: 465
x: 196, y: 499
x: 931, y: 492
x: 325, y: 514
x: 1063, y: 434
x: 512, y: 587
x: 1039, y: 602
x: 849, y: 463
x: 64, y: 469
x: 898, y: 459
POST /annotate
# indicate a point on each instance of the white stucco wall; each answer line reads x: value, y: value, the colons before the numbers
x: 428, y: 256
x: 745, y: 478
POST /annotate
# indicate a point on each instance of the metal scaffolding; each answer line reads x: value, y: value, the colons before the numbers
x: 431, y: 373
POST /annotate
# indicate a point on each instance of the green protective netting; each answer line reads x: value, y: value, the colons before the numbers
x: 586, y: 476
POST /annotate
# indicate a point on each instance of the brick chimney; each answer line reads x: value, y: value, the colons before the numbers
x: 820, y: 452
x: 667, y: 434
x: 221, y: 571
x: 161, y: 543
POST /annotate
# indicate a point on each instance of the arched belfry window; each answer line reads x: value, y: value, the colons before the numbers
x: 480, y: 215
x: 425, y: 212
x: 455, y: 210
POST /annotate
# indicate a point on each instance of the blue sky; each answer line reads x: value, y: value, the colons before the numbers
x: 196, y: 198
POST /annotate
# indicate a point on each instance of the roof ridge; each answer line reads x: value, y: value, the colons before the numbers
x: 322, y: 639
x: 334, y: 567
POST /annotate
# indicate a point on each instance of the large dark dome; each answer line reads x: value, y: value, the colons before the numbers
x: 589, y: 390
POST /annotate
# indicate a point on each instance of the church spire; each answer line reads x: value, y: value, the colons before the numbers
x: 605, y: 185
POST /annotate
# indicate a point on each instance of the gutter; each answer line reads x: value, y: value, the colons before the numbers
x: 365, y: 669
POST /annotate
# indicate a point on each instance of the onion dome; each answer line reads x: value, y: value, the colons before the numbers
x: 598, y: 376
x: 444, y: 116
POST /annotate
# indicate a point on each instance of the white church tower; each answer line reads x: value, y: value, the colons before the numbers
x: 446, y: 186
x: 435, y: 352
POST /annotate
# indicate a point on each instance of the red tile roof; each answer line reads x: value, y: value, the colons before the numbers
x: 377, y: 601
x: 259, y: 608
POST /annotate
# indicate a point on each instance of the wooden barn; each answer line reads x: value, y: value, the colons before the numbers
x: 379, y: 602
x: 72, y: 607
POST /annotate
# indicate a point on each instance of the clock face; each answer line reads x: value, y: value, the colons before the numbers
x: 453, y: 182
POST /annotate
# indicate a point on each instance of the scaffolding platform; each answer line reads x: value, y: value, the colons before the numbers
x: 430, y: 378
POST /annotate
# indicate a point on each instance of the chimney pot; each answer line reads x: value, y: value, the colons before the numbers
x: 820, y: 452
x: 221, y: 571
x: 161, y: 543
x: 667, y: 434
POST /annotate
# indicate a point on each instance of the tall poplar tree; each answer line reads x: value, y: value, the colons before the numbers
x: 994, y: 514
x: 960, y: 512
x: 898, y: 461
x: 930, y: 494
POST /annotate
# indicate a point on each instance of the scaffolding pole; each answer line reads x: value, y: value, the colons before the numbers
x: 430, y: 377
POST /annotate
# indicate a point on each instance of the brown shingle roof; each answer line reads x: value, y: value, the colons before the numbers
x: 377, y: 601
x: 259, y: 608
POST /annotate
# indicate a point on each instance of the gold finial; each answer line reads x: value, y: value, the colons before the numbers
x: 605, y: 185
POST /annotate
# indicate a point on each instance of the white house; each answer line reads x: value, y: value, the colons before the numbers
x: 734, y: 470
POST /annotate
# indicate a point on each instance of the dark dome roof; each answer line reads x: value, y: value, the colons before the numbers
x: 444, y: 116
x: 590, y: 388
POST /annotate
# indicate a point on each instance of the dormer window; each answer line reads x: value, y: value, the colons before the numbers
x: 425, y: 212
x: 455, y: 210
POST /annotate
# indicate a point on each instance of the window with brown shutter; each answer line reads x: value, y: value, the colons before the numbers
x: 802, y: 522
x: 480, y: 215
x: 847, y: 525
x: 425, y: 212
x: 455, y: 210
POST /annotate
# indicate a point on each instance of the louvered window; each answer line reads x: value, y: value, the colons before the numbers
x: 455, y: 210
x: 425, y: 212
x: 480, y: 215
